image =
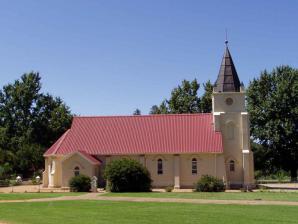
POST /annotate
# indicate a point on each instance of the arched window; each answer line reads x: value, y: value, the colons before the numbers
x: 159, y: 167
x: 77, y: 171
x: 232, y: 165
x: 194, y: 166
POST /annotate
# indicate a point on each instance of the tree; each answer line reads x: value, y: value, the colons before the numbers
x: 263, y: 159
x: 185, y: 99
x: 206, y: 99
x: 137, y: 112
x: 30, y: 122
x: 52, y: 119
x: 161, y: 109
x: 272, y: 101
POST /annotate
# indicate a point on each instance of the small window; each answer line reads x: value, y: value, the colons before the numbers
x: 232, y: 165
x: 159, y: 167
x: 76, y: 171
x: 194, y: 166
x: 229, y: 101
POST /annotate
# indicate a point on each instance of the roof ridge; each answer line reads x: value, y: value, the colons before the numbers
x: 145, y: 115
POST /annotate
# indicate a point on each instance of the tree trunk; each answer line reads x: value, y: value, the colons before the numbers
x: 294, y: 175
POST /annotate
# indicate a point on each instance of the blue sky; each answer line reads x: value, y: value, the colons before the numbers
x: 110, y: 57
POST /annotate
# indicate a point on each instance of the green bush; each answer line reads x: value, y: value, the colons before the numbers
x: 127, y: 175
x: 14, y: 182
x: 4, y: 183
x: 278, y: 176
x: 209, y: 183
x: 80, y: 183
x: 33, y: 178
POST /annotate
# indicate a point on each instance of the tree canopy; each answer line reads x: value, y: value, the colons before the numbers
x: 31, y: 121
x: 272, y: 101
x: 137, y: 112
x: 185, y: 99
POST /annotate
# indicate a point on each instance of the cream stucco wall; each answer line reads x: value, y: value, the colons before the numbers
x: 177, y: 169
x: 212, y: 164
x: 76, y: 160
x: 233, y: 122
x: 64, y: 169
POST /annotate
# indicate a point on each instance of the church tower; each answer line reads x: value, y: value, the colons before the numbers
x: 231, y: 119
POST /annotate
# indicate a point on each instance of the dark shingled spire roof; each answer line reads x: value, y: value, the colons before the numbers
x: 227, y: 80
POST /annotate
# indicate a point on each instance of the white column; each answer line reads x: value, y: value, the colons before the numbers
x: 247, y: 153
x: 50, y: 175
x: 52, y: 170
x: 246, y: 168
x: 176, y: 171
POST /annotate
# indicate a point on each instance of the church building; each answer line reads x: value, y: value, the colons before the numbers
x: 177, y: 149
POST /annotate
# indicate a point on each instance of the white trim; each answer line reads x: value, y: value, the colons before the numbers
x: 81, y: 154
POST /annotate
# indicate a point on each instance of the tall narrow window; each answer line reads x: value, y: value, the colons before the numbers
x: 230, y: 130
x: 194, y: 166
x: 159, y: 167
x: 232, y: 165
x: 76, y: 171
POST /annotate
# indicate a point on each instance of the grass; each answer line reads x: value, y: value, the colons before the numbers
x: 272, y: 196
x: 24, y: 196
x: 106, y: 212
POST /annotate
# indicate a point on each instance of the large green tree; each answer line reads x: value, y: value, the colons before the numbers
x: 30, y: 122
x: 272, y: 101
x: 206, y: 99
x: 185, y: 99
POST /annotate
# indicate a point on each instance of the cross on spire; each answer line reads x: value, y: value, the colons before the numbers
x: 226, y: 41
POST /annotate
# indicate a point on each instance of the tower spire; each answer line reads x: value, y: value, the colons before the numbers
x: 227, y: 79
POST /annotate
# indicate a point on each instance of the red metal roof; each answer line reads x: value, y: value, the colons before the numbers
x: 140, y: 134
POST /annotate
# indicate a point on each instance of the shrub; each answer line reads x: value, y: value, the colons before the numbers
x: 14, y: 182
x: 4, y: 183
x: 80, y: 183
x: 34, y: 180
x: 209, y: 183
x: 169, y: 189
x: 127, y: 175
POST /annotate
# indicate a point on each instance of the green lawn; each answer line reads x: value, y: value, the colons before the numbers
x: 273, y: 196
x: 23, y: 196
x: 107, y: 212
